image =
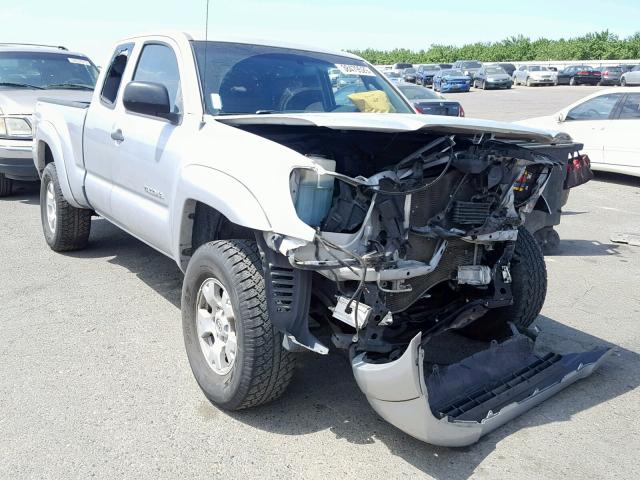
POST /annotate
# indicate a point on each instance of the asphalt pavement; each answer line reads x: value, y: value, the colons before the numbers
x: 94, y: 381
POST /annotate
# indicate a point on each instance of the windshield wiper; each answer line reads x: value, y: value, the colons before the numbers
x: 21, y: 85
x: 74, y: 86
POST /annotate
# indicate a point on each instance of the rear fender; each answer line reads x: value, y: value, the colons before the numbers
x: 63, y: 157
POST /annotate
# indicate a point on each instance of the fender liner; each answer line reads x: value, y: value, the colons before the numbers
x: 288, y: 292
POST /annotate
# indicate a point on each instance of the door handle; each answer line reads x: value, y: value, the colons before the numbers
x: 117, y: 135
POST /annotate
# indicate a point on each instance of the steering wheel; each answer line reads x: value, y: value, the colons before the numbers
x: 312, y: 95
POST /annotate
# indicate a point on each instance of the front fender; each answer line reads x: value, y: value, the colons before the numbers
x: 220, y: 191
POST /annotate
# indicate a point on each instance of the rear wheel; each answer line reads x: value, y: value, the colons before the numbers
x: 528, y: 287
x: 65, y: 227
x: 234, y: 350
x: 5, y: 186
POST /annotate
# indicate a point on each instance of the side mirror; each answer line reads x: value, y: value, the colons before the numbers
x: 561, y: 117
x: 149, y: 98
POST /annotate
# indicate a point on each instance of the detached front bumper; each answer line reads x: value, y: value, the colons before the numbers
x: 16, y: 160
x: 455, y: 405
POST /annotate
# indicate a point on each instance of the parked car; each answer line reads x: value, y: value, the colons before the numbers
x: 425, y: 73
x: 579, y: 75
x: 610, y: 76
x: 409, y: 75
x: 468, y: 67
x: 491, y: 77
x: 347, y: 79
x: 26, y: 73
x: 428, y: 102
x: 334, y: 74
x: 394, y: 77
x: 451, y: 81
x: 399, y: 67
x: 508, y: 67
x: 607, y: 122
x: 626, y: 67
x: 215, y: 154
x: 531, y: 75
x: 631, y: 78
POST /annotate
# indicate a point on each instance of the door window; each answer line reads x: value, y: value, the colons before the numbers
x: 158, y: 64
x: 113, y: 78
x: 598, y: 108
x: 631, y: 107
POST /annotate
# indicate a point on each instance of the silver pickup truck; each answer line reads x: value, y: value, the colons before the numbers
x: 305, y: 218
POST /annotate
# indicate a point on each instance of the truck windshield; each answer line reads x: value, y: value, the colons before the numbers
x: 43, y: 70
x: 248, y: 79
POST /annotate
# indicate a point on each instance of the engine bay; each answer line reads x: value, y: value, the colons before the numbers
x: 414, y: 232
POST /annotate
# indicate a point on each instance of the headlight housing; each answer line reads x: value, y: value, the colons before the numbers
x: 15, y: 128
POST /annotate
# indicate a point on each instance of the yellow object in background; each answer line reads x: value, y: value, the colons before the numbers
x: 375, y: 101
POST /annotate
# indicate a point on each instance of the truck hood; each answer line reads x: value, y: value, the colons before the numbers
x: 22, y: 101
x: 400, y: 123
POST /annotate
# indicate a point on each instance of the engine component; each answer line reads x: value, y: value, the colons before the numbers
x: 347, y: 313
x: 312, y: 193
x: 470, y: 213
x: 474, y: 275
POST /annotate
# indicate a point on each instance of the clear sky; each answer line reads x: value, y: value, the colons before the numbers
x: 92, y: 26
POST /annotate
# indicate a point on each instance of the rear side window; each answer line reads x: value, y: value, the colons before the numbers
x: 113, y: 79
x: 158, y: 64
x: 598, y: 108
x: 631, y: 107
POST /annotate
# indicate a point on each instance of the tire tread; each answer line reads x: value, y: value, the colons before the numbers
x: 273, y: 366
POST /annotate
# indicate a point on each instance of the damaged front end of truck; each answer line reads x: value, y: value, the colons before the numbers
x: 416, y: 234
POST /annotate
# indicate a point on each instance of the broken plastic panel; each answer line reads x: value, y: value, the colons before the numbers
x: 455, y: 405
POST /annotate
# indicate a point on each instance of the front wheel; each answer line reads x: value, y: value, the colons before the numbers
x: 234, y: 350
x: 5, y: 186
x: 65, y: 227
x: 623, y: 82
x: 528, y: 287
x: 572, y: 82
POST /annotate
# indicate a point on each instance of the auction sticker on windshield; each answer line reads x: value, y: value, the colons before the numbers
x: 355, y: 69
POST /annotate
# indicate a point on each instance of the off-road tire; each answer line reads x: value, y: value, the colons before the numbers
x: 5, y: 186
x: 528, y: 287
x: 262, y: 369
x: 72, y: 225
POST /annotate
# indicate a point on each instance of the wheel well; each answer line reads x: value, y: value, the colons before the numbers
x: 45, y: 156
x: 201, y: 224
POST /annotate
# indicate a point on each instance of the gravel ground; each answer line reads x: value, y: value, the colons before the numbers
x: 94, y: 381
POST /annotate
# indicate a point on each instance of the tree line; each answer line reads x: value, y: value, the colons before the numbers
x: 592, y: 46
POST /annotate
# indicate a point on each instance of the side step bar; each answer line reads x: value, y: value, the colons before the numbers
x: 455, y: 405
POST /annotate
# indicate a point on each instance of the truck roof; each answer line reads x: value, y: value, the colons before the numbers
x: 238, y: 39
x: 28, y: 47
